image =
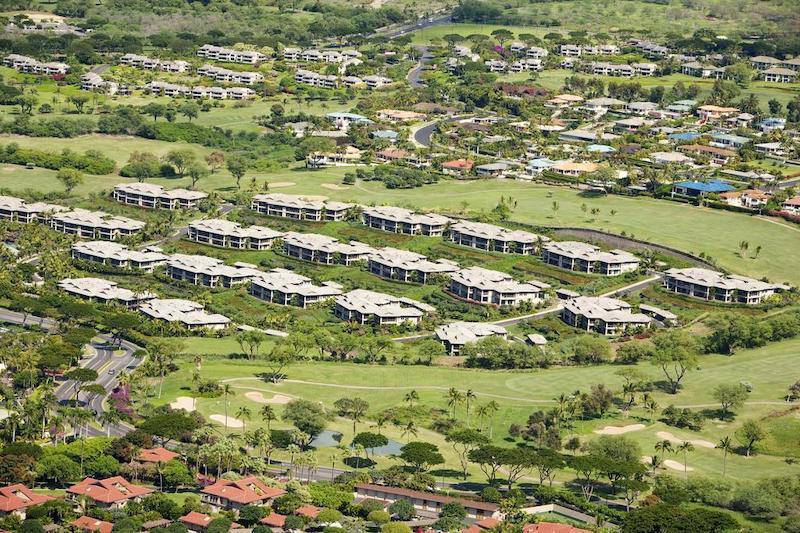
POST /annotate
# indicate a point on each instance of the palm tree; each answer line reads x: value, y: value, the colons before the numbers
x: 411, y: 397
x: 492, y: 408
x: 268, y: 414
x: 109, y: 418
x: 651, y: 407
x: 481, y: 412
x: 468, y: 397
x: 726, y: 445
x: 244, y: 413
x: 410, y: 429
x: 685, y: 447
x: 381, y: 422
x: 227, y: 390
x: 454, y: 399
x: 655, y: 462
x: 664, y: 447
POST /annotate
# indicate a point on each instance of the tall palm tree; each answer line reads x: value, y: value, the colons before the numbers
x: 454, y: 399
x: 411, y: 397
x: 492, y: 408
x: 410, y: 429
x: 664, y: 447
x: 381, y: 421
x: 227, y: 391
x: 109, y: 418
x: 268, y: 414
x: 726, y: 445
x: 244, y: 413
x: 481, y: 412
x: 469, y: 396
x: 684, y: 448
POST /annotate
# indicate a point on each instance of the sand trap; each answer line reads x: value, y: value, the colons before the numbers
x: 183, y: 402
x: 619, y: 430
x: 232, y: 422
x: 280, y: 184
x: 333, y: 186
x: 257, y: 397
x: 675, y: 465
x: 666, y: 435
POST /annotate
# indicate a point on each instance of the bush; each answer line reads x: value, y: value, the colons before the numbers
x: 378, y: 517
x: 491, y: 495
x: 91, y: 162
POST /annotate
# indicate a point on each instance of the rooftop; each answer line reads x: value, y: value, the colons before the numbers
x: 289, y: 282
x: 492, y: 280
x: 490, y: 231
x: 234, y: 229
x: 605, y: 309
x: 150, y: 189
x: 459, y: 333
x: 712, y: 278
x: 369, y: 302
x: 101, y: 288
x: 399, y: 214
x: 185, y: 311
x: 589, y: 252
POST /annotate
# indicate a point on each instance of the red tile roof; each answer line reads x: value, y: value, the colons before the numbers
x: 458, y: 164
x: 487, y: 523
x: 429, y: 496
x: 793, y: 201
x: 244, y: 491
x: 110, y: 490
x: 307, y: 510
x: 707, y: 149
x: 391, y: 153
x: 14, y: 497
x: 87, y: 523
x: 156, y: 455
x: 201, y: 520
x: 274, y: 520
x: 552, y: 527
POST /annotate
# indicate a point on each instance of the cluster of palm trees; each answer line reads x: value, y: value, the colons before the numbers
x: 456, y: 398
x: 664, y: 447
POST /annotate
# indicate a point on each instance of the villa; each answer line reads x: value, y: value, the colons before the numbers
x: 399, y: 220
x: 606, y: 316
x: 15, y: 500
x: 117, y: 255
x: 584, y: 257
x: 284, y: 287
x: 403, y: 265
x: 227, y: 494
x: 189, y: 314
x: 110, y: 493
x: 227, y: 234
x: 369, y: 307
x: 495, y: 238
x: 456, y: 334
x: 230, y: 55
x: 209, y: 271
x: 323, y: 249
x: 103, y: 291
x: 489, y: 287
x: 95, y: 225
x: 152, y: 196
x: 14, y: 209
x: 716, y: 286
x: 299, y: 208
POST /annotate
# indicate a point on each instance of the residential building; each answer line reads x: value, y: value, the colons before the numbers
x: 491, y: 170
x: 764, y: 62
x: 299, y: 207
x: 292, y: 54
x: 185, y: 312
x: 92, y: 525
x: 323, y: 81
x: 103, y: 291
x: 209, y: 271
x: 645, y: 69
x: 15, y: 500
x: 227, y: 494
x: 489, y: 287
x: 670, y: 158
x: 716, y: 286
x: 110, y: 493
x: 30, y: 65
x: 714, y: 113
x: 403, y: 265
x: 323, y: 249
x: 92, y: 81
x: 426, y: 502
x: 156, y: 455
x: 376, y: 82
x: 793, y: 63
x: 792, y: 205
x: 198, y: 522
x: 718, y: 156
x: 399, y: 220
x: 536, y: 52
x: 526, y: 65
x: 728, y: 140
x: 153, y: 196
x: 369, y: 307
x: 456, y: 334
x: 227, y: 234
x: 495, y: 238
x: 230, y: 76
x: 284, y: 287
x: 496, y: 65
x: 780, y: 75
x: 140, y: 61
x: 396, y: 155
x: 117, y: 255
x: 584, y: 257
x: 606, y: 316
x: 398, y: 115
x: 457, y: 167
x: 173, y: 90
x: 574, y: 168
x: 95, y: 225
x: 14, y: 209
x: 570, y: 50
x: 700, y: 188
x: 640, y: 108
x: 228, y: 55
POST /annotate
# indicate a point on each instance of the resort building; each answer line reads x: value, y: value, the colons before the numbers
x: 188, y: 313
x: 227, y: 234
x: 227, y: 494
x: 425, y: 502
x: 229, y: 55
x: 284, y: 287
x: 489, y: 287
x: 403, y: 265
x: 95, y: 225
x: 298, y: 207
x: 117, y: 255
x: 15, y: 500
x: 30, y: 65
x: 198, y: 522
x: 103, y: 291
x: 14, y: 209
x: 230, y: 76
x: 148, y: 63
x: 456, y: 334
x: 368, y: 307
x: 399, y: 220
x: 152, y: 196
x: 495, y: 238
x: 110, y: 493
x: 584, y: 257
x: 209, y: 271
x: 606, y: 316
x: 323, y: 249
x: 716, y: 286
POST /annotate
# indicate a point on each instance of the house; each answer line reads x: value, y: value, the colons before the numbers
x: 399, y: 220
x: 376, y: 82
x: 552, y: 527
x: 323, y: 249
x: 526, y: 65
x: 103, y: 291
x: 227, y: 234
x: 728, y: 140
x: 574, y: 168
x: 792, y: 205
x: 670, y: 158
x: 397, y: 115
x: 308, y: 511
x: 14, y: 209
x: 700, y: 188
x: 699, y: 70
x: 773, y: 149
x: 489, y: 287
x: 606, y: 316
x: 631, y: 125
x: 15, y: 500
x: 299, y: 207
x: 458, y: 167
x: 198, y: 522
x: 793, y: 63
x: 564, y: 100
x: 712, y: 113
x: 536, y: 52
x: 110, y: 493
x: 209, y: 271
x: 156, y: 455
x: 92, y: 525
x: 584, y: 257
x: 780, y: 75
x: 645, y: 69
x: 406, y: 266
x: 185, y: 312
x: 640, y: 108
x: 368, y: 307
x: 284, y: 287
x: 227, y: 494
x: 491, y: 170
x: 764, y: 62
x: 715, y: 286
x: 718, y: 156
x: 570, y: 50
x: 230, y: 76
x: 117, y: 255
x: 427, y: 502
x: 772, y: 124
x: 152, y: 196
x: 456, y: 334
x: 314, y: 79
x: 602, y: 103
x: 577, y: 136
x: 274, y: 520
x: 496, y: 65
x: 662, y: 315
x: 495, y: 238
x: 95, y: 225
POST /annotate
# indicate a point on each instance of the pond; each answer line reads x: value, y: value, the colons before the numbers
x: 331, y: 439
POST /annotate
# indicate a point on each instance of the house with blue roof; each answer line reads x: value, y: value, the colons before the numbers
x: 771, y: 124
x: 388, y: 135
x: 729, y: 140
x: 536, y: 166
x: 685, y: 136
x: 701, y: 188
x: 600, y: 148
x: 343, y: 119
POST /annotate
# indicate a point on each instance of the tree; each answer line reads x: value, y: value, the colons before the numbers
x: 370, y: 441
x: 726, y: 445
x: 684, y: 448
x: 268, y: 414
x: 489, y: 459
x: 306, y: 416
x: 775, y: 107
x: 70, y: 178
x: 463, y: 442
x: 403, y: 510
x: 237, y: 167
x: 169, y: 426
x: 421, y: 455
x: 196, y: 172
x: 175, y: 474
x: 250, y: 341
x: 180, y: 159
x: 189, y: 110
x: 395, y: 527
x: 750, y: 434
x: 26, y: 103
x: 352, y: 408
x: 250, y: 515
x: 80, y: 376
x: 675, y: 353
x: 79, y: 101
x: 591, y: 349
x: 155, y: 110
x: 730, y: 397
x: 57, y: 468
x: 215, y: 160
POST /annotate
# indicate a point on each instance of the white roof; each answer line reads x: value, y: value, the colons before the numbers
x: 383, y: 305
x: 323, y: 243
x: 202, y: 264
x: 589, y: 252
x: 605, y: 309
x: 98, y: 219
x: 18, y: 205
x: 184, y: 311
x: 490, y: 231
x: 492, y: 280
x: 398, y: 214
x: 150, y: 189
x: 289, y: 282
x: 460, y: 333
x: 711, y: 278
x: 114, y: 250
x: 101, y: 288
x: 411, y: 261
x: 234, y: 229
x: 300, y: 202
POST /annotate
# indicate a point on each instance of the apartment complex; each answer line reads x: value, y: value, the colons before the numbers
x: 495, y: 238
x: 152, y: 196
x: 483, y: 286
x: 456, y: 334
x: 716, y: 286
x: 95, y: 225
x: 284, y: 287
x: 584, y: 257
x: 318, y: 248
x: 103, y: 291
x: 606, y: 316
x: 403, y: 265
x: 14, y: 209
x: 209, y: 271
x: 227, y: 234
x: 229, y: 494
x: 399, y: 220
x: 185, y: 312
x: 299, y: 208
x: 229, y: 55
x: 30, y: 65
x: 368, y: 307
x: 230, y: 76
x: 117, y: 255
x: 149, y: 63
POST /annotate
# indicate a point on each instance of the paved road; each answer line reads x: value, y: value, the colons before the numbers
x: 423, y: 135
x: 26, y: 320
x: 399, y: 31
x: 414, y: 74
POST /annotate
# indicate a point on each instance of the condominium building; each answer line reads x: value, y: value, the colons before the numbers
x: 584, y: 257
x: 495, y: 238
x: 323, y: 81
x: 189, y: 314
x: 489, y: 287
x: 14, y: 209
x: 402, y: 265
x: 298, y: 207
x: 227, y: 234
x: 34, y: 66
x: 103, y: 291
x: 209, y: 271
x: 716, y: 286
x: 456, y: 334
x: 285, y: 287
x: 399, y: 220
x: 152, y: 196
x: 149, y: 63
x: 606, y: 316
x: 323, y: 249
x: 230, y: 76
x: 369, y: 307
x: 117, y: 255
x: 229, y: 55
x: 95, y: 225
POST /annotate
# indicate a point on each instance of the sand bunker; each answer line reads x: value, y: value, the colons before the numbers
x: 675, y: 465
x: 619, y: 430
x: 666, y: 435
x: 279, y: 184
x: 183, y: 402
x: 257, y: 397
x: 232, y: 422
x: 333, y: 186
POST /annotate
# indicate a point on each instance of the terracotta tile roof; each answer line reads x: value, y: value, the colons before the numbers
x: 244, y: 491
x: 110, y: 490
x: 14, y: 497
x: 202, y: 520
x: 87, y: 523
x: 793, y: 201
x: 310, y: 511
x: 458, y: 164
x: 390, y: 153
x: 156, y: 455
x: 487, y: 523
x: 707, y: 149
x: 274, y: 520
x: 429, y: 496
x: 552, y: 527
